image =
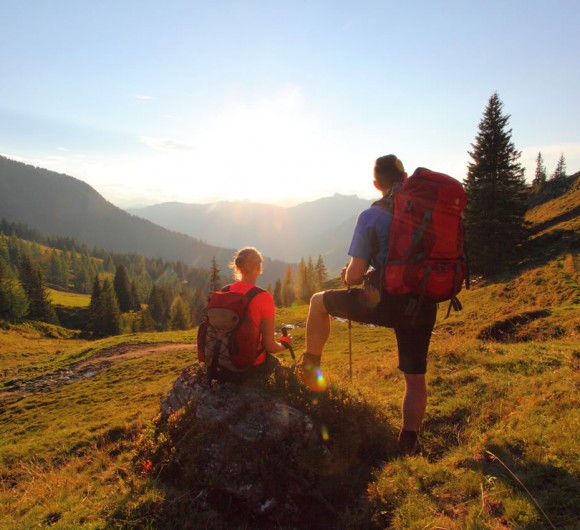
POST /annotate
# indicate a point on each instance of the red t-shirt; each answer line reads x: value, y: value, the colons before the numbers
x: 262, y: 306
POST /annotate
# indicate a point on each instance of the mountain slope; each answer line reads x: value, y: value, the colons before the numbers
x: 59, y: 204
x: 308, y: 229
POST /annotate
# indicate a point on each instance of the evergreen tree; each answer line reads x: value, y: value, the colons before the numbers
x: 214, y: 281
x: 278, y: 293
x: 40, y: 307
x: 540, y: 175
x: 496, y: 193
x: 112, y: 323
x: 560, y: 171
x: 304, y: 284
x: 104, y: 312
x: 96, y: 309
x: 13, y: 300
x: 321, y: 274
x: 288, y: 291
x: 135, y: 302
x: 156, y: 307
x: 180, y: 314
x: 122, y: 287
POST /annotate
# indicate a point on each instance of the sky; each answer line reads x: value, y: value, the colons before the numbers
x: 279, y: 101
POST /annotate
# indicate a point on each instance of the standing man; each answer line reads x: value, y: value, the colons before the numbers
x: 369, y: 248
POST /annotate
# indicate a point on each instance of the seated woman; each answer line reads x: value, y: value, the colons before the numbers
x: 247, y: 267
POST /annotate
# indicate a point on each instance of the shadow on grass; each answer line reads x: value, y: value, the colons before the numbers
x: 553, y: 490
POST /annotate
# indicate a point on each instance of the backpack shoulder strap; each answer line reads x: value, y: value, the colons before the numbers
x: 253, y: 292
x: 226, y: 289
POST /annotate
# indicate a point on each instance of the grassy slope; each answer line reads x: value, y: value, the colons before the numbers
x: 500, y: 436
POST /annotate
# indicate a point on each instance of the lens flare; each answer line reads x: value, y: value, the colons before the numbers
x: 320, y: 380
x: 324, y: 433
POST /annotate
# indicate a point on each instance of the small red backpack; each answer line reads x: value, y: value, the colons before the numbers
x: 426, y: 239
x: 227, y: 339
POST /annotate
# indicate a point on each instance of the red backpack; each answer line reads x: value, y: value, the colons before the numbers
x: 426, y: 239
x: 227, y: 339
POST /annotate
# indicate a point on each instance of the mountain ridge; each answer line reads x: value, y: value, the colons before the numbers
x: 54, y: 203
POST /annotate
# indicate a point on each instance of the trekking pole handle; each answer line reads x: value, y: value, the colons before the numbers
x: 284, y: 330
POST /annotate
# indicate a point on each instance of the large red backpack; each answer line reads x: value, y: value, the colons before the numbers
x: 228, y: 341
x: 426, y: 239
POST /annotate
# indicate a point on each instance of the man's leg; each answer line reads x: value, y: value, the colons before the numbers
x: 317, y: 326
x: 414, y: 401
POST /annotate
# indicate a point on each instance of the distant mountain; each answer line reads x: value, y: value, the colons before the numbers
x: 54, y: 203
x: 321, y: 227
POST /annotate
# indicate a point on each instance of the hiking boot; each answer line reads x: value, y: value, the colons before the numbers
x: 409, y: 443
x: 309, y: 373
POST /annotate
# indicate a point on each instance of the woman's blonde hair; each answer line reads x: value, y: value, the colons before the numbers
x: 245, y: 261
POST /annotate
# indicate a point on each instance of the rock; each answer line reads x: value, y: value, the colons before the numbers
x: 253, y: 446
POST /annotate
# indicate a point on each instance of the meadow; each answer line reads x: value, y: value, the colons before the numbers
x: 499, y: 441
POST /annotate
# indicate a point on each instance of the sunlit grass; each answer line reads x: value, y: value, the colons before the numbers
x: 499, y: 441
x: 69, y: 299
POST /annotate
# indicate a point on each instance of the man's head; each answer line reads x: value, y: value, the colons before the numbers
x: 388, y: 170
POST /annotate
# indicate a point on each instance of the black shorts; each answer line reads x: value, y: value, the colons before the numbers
x: 413, y: 332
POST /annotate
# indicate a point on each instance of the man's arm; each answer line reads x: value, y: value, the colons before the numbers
x: 355, y: 271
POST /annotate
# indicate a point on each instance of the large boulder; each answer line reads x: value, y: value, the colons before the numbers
x: 262, y: 454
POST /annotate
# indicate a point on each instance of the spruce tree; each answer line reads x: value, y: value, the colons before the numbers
x: 278, y: 293
x: 496, y: 194
x: 40, y: 307
x: 560, y: 171
x: 112, y: 324
x: 214, y: 281
x: 288, y: 291
x: 122, y: 287
x: 96, y: 309
x: 156, y: 307
x: 104, y: 312
x: 13, y: 300
x: 180, y: 314
x: 540, y: 175
x: 321, y: 273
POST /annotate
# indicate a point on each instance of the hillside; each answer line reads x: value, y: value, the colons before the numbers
x: 59, y: 204
x: 308, y: 229
x: 81, y: 447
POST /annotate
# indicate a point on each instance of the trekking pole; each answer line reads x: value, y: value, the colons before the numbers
x: 284, y: 330
x: 349, y: 343
x: 349, y: 325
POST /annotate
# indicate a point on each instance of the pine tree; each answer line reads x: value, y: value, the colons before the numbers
x: 496, y: 194
x: 304, y: 288
x: 278, y: 293
x: 32, y: 281
x: 540, y: 175
x: 180, y: 314
x: 288, y: 291
x: 13, y: 300
x: 104, y: 313
x: 135, y: 302
x: 122, y: 287
x: 214, y: 281
x: 112, y: 323
x: 321, y: 274
x: 156, y: 307
x: 560, y: 171
x: 96, y: 309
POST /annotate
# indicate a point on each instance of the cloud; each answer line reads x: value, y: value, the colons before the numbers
x: 164, y: 144
x: 143, y: 97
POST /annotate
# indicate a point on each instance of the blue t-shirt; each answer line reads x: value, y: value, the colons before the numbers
x: 370, y: 240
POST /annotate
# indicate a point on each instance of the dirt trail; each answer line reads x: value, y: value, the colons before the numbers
x: 102, y: 360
